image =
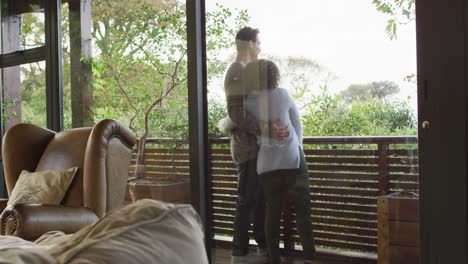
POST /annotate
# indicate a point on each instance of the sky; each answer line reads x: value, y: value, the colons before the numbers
x: 347, y: 37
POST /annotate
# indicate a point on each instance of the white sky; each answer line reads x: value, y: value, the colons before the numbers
x: 346, y: 36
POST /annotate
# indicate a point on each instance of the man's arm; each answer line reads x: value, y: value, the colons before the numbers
x: 279, y: 132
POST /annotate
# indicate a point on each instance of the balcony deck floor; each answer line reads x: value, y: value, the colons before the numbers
x: 223, y: 256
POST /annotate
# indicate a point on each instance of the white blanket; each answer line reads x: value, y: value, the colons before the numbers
x: 147, y: 231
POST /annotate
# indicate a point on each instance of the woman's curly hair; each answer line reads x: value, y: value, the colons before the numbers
x: 261, y: 74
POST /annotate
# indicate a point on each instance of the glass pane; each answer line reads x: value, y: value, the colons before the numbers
x: 339, y: 76
x: 22, y: 25
x: 24, y: 95
x: 134, y: 70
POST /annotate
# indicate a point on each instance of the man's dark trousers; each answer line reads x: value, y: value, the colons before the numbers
x: 250, y: 208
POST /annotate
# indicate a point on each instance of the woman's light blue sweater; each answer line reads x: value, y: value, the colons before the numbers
x: 267, y: 106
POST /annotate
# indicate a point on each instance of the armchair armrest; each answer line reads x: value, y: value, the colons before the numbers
x: 30, y: 221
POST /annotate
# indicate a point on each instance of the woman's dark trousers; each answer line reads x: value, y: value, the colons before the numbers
x: 277, y: 185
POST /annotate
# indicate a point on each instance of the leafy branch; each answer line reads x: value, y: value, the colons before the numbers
x: 401, y: 12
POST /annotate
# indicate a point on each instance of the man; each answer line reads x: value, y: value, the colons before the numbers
x: 244, y: 149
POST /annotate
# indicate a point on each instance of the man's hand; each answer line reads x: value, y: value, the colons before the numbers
x: 279, y: 132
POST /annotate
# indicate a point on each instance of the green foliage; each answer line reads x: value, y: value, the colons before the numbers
x: 7, y: 107
x: 330, y: 115
x: 141, y: 70
x: 216, y: 111
x: 400, y: 12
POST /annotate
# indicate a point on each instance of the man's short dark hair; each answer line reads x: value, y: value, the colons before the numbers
x: 247, y: 34
x: 244, y: 36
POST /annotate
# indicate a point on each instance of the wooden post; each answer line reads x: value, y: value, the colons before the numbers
x: 80, y: 72
x: 384, y: 187
x: 398, y: 229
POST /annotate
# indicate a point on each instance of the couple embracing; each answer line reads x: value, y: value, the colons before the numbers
x: 266, y: 146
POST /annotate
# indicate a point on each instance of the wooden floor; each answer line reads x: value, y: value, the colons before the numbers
x: 223, y: 256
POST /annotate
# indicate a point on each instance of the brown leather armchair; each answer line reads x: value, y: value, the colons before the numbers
x: 102, y: 154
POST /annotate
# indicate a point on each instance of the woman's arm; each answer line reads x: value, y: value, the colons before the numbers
x: 295, y: 118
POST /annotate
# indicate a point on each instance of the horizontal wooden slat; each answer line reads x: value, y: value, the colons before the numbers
x: 403, y: 152
x: 409, y: 161
x: 404, y: 177
x: 223, y: 171
x: 224, y: 204
x: 149, y: 163
x: 340, y: 152
x: 344, y: 237
x: 162, y: 150
x: 221, y: 151
x: 224, y: 191
x: 351, y: 192
x: 167, y: 170
x: 407, y: 169
x: 314, y: 167
x: 224, y: 211
x: 344, y: 199
x: 356, y: 184
x: 150, y: 174
x: 225, y: 218
x: 167, y: 157
x: 228, y: 178
x: 346, y: 230
x: 164, y: 174
x: 217, y: 196
x: 343, y: 176
x: 345, y: 245
x: 341, y: 160
x: 344, y: 222
x: 218, y: 164
x: 400, y: 185
x: 346, y: 207
x: 353, y: 215
x: 231, y: 185
x: 220, y: 157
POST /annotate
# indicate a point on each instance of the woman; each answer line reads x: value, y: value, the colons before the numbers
x: 281, y: 163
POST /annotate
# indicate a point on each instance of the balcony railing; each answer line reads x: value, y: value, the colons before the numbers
x: 347, y: 174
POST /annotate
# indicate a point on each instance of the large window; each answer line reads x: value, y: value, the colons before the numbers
x: 30, y: 62
x: 350, y: 68
x: 23, y: 85
x: 128, y: 61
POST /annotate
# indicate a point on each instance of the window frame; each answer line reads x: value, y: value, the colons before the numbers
x: 51, y: 53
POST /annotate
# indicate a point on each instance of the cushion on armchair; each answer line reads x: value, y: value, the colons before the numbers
x: 42, y: 187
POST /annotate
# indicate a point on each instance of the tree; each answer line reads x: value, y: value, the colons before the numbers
x: 328, y: 114
x: 302, y: 76
x: 401, y: 12
x: 369, y: 91
x: 141, y: 70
